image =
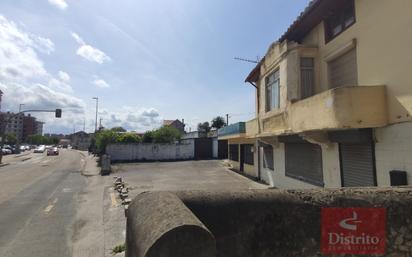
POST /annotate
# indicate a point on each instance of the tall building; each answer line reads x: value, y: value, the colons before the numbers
x: 14, y: 124
x: 29, y: 126
x: 38, y: 128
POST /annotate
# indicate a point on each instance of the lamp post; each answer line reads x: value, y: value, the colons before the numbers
x: 97, y: 108
x: 20, y: 105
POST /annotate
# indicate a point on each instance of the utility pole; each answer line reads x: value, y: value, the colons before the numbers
x: 84, y: 124
x: 97, y: 108
x: 227, y: 119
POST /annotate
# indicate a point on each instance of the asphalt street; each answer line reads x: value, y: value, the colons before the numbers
x: 38, y: 198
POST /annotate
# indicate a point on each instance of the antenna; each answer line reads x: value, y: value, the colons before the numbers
x: 247, y: 60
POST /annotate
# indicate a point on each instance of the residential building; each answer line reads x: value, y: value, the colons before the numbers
x: 29, y: 126
x: 81, y: 140
x: 13, y: 124
x: 39, y: 128
x: 179, y: 125
x: 333, y: 99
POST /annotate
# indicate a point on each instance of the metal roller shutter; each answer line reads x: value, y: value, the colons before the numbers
x: 343, y: 70
x: 357, y: 165
x: 304, y: 162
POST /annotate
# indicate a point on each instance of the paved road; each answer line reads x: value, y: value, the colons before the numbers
x: 38, y: 199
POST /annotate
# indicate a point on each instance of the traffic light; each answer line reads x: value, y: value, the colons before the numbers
x: 58, y: 113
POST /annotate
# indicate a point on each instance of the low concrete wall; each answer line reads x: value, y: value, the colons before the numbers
x: 286, y: 222
x: 151, y: 152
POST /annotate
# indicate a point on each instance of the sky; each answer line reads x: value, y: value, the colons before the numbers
x: 146, y: 60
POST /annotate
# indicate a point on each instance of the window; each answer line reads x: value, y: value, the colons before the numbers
x: 268, y: 157
x: 248, y: 154
x: 340, y: 21
x: 272, y: 91
x: 234, y: 152
x: 307, y: 77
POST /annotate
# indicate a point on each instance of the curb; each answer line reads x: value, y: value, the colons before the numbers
x: 25, y: 159
x: 21, y: 155
x: 4, y: 164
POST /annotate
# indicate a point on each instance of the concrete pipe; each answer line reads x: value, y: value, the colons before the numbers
x: 159, y: 224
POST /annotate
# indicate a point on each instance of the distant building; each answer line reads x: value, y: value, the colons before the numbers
x: 14, y: 124
x: 81, y: 140
x: 179, y: 125
x: 29, y: 126
x: 39, y: 128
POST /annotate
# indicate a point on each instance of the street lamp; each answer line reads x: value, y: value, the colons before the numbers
x: 20, y: 105
x: 97, y: 108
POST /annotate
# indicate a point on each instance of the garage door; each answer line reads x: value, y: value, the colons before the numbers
x: 343, y: 70
x: 304, y: 162
x: 357, y: 164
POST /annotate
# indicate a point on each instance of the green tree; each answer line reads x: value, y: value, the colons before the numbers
x: 148, y: 137
x: 203, y: 127
x: 218, y: 122
x: 105, y: 137
x: 118, y: 129
x: 166, y: 135
x: 11, y: 139
x: 129, y: 137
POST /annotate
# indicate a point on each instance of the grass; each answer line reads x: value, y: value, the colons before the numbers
x: 118, y: 249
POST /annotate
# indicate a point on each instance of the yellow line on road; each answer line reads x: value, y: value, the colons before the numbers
x: 50, y: 206
x: 113, y: 198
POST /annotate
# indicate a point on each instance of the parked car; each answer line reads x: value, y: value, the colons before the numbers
x: 40, y: 149
x: 6, y: 151
x: 52, y: 151
x: 22, y: 148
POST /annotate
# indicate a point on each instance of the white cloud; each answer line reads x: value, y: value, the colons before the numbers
x: 24, y: 79
x: 89, y: 52
x: 44, y: 45
x: 78, y: 38
x: 61, y: 4
x: 101, y: 83
x: 64, y: 76
x: 132, y: 118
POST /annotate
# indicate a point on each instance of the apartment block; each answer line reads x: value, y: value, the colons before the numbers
x: 334, y: 99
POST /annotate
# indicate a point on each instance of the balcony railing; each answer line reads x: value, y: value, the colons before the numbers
x: 234, y: 129
x: 339, y: 108
x: 252, y: 128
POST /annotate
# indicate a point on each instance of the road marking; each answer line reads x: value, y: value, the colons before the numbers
x: 66, y: 190
x: 113, y: 198
x: 50, y: 206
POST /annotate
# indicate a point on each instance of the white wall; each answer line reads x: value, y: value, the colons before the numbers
x: 151, y: 152
x: 393, y: 151
x: 277, y: 177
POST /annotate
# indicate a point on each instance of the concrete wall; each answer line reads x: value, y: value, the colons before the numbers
x: 258, y: 223
x: 151, y: 152
x: 393, y: 151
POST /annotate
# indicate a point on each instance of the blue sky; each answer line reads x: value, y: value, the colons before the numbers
x: 146, y: 60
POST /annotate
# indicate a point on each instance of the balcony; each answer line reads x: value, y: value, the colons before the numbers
x: 252, y: 128
x: 232, y: 131
x: 339, y: 108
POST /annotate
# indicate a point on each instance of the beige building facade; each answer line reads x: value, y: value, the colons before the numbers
x: 334, y: 99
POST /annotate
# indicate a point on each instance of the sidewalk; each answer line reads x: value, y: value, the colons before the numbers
x: 100, y: 223
x: 88, y: 239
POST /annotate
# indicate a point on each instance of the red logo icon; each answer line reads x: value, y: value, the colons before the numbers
x: 353, y: 230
